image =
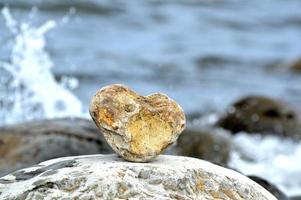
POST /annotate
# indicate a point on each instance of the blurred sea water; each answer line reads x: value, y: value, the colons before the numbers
x: 204, y: 54
x: 55, y: 54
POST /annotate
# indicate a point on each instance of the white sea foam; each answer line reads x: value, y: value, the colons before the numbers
x: 28, y: 88
x: 275, y: 159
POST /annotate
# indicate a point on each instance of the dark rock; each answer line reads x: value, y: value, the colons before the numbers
x: 215, y: 61
x: 295, y: 198
x: 269, y: 187
x: 256, y: 114
x: 29, y: 143
x: 296, y: 66
x: 213, y: 145
x: 23, y: 175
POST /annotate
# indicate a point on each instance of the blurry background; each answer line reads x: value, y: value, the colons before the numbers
x: 54, y: 55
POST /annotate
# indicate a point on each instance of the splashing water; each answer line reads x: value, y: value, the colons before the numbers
x: 28, y: 89
x: 275, y: 159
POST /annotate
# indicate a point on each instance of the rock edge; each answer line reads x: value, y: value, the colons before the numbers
x: 110, y: 177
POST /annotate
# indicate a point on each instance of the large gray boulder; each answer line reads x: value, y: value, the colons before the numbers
x: 30, y: 143
x: 110, y: 177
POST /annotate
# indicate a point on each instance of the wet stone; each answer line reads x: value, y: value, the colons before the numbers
x: 264, y: 115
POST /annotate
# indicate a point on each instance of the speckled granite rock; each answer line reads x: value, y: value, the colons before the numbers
x: 26, y: 144
x: 109, y: 177
x: 138, y: 128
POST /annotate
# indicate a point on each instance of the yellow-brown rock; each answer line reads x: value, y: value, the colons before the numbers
x: 138, y: 128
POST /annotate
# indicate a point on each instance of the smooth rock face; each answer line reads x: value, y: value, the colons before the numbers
x: 256, y: 114
x: 26, y: 144
x: 138, y: 128
x: 109, y: 177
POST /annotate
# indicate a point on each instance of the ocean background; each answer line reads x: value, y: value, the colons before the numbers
x: 55, y: 54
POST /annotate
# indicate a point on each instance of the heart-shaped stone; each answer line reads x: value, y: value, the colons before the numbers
x: 138, y: 128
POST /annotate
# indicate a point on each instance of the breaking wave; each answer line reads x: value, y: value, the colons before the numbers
x: 275, y: 159
x: 28, y: 89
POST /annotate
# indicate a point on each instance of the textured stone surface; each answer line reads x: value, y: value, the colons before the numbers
x: 25, y: 144
x: 257, y: 114
x: 138, y: 128
x: 109, y: 177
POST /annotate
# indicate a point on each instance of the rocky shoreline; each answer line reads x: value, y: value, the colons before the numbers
x: 27, y: 144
